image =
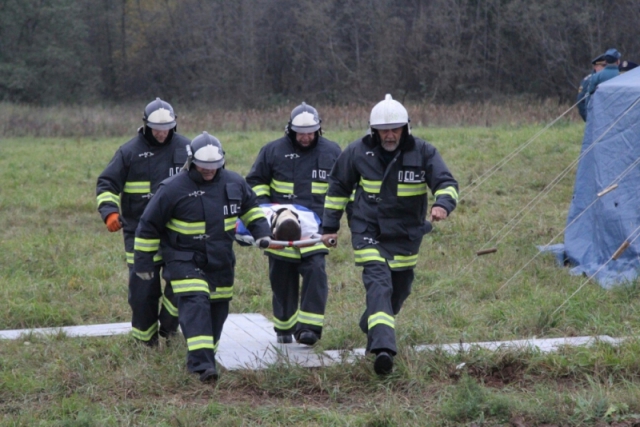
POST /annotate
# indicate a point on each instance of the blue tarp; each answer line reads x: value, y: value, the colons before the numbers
x: 611, y: 144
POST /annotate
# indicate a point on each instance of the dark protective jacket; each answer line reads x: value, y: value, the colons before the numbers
x: 134, y: 174
x: 285, y: 173
x: 390, y: 205
x: 193, y: 222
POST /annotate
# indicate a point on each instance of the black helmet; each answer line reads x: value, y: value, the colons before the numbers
x: 206, y: 151
x: 304, y: 119
x: 159, y: 115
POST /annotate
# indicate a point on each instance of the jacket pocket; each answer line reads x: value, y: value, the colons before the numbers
x: 180, y: 265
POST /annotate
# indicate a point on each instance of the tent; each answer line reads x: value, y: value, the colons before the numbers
x: 610, y: 154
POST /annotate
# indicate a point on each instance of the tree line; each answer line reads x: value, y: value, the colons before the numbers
x: 252, y: 53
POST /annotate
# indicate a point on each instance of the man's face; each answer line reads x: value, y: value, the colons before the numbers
x: 207, y: 174
x: 390, y: 138
x: 160, y: 135
x: 305, y: 139
x: 597, y: 67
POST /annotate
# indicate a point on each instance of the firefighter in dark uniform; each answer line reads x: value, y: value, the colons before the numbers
x: 192, y: 220
x: 392, y: 171
x: 295, y: 169
x: 598, y: 64
x: 123, y: 191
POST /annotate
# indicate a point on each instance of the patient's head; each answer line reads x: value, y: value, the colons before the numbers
x: 285, y: 225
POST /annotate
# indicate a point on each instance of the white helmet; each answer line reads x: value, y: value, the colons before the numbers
x: 206, y: 151
x: 304, y: 119
x: 159, y: 115
x: 388, y: 114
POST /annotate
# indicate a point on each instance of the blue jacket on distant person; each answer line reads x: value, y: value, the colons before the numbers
x: 582, y: 96
x: 609, y: 72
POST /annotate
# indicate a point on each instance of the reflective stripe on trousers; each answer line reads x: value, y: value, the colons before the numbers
x: 386, y: 292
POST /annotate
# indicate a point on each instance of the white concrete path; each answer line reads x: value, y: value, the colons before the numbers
x: 249, y: 342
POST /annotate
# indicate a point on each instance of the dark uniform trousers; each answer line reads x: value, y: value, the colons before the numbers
x: 285, y: 284
x: 386, y: 291
x: 143, y: 300
x: 202, y: 318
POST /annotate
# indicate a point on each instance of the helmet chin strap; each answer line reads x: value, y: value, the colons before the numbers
x: 187, y: 164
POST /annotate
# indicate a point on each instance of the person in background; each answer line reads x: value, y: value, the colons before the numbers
x: 295, y: 169
x: 124, y: 189
x: 612, y: 60
x: 192, y: 220
x: 626, y: 66
x: 598, y: 64
x: 391, y: 171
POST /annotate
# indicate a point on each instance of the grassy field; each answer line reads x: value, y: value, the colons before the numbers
x: 59, y: 266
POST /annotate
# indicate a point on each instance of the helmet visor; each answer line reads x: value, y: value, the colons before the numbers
x: 385, y: 126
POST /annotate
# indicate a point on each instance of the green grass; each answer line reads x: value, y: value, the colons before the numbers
x: 59, y: 266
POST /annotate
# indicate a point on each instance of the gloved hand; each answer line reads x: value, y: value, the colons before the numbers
x: 113, y: 222
x: 145, y: 275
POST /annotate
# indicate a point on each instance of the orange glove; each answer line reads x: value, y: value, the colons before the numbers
x: 113, y: 222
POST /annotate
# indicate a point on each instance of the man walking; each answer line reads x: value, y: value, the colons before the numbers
x: 295, y: 169
x: 123, y: 191
x: 391, y: 170
x: 192, y: 220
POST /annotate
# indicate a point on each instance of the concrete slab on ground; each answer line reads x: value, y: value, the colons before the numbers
x: 249, y: 342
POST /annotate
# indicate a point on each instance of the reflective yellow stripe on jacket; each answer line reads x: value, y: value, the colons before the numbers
x: 137, y: 187
x: 156, y: 257
x: 405, y: 190
x: 252, y: 215
x: 287, y: 252
x: 282, y: 186
x: 370, y: 186
x: 262, y: 190
x: 403, y: 261
x: 230, y: 223
x: 337, y: 203
x: 319, y: 187
x: 184, y: 227
x: 367, y: 255
x: 146, y: 245
x: 222, y: 293
x: 189, y: 285
x: 108, y: 197
x: 448, y: 191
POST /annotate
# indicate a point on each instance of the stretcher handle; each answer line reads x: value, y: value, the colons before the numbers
x: 264, y: 244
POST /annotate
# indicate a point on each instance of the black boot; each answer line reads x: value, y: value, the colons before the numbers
x: 307, y: 338
x: 210, y: 375
x: 383, y: 365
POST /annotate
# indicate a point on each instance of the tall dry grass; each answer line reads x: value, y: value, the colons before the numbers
x: 18, y: 120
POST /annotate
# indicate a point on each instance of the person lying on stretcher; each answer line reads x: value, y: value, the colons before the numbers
x: 291, y: 225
